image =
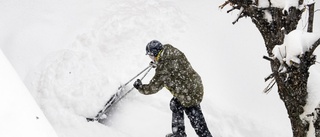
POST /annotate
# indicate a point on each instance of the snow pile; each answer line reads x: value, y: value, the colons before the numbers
x: 295, y: 43
x: 20, y: 114
x: 77, y: 81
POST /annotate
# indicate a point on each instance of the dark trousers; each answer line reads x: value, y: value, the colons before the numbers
x: 195, y: 116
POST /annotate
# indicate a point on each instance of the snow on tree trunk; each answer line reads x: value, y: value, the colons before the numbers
x: 292, y: 85
x: 291, y: 77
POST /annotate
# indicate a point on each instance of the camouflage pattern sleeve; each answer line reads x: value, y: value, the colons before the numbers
x: 156, y: 83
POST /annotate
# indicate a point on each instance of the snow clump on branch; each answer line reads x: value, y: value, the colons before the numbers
x: 295, y: 43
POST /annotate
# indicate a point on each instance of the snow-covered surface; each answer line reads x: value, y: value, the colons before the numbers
x: 72, y: 55
x: 20, y: 114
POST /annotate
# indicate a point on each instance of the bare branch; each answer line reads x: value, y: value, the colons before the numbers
x: 268, y: 58
x: 231, y: 9
x: 240, y: 14
x: 224, y: 4
x: 314, y: 46
x: 270, y: 86
x: 269, y: 77
x: 234, y: 22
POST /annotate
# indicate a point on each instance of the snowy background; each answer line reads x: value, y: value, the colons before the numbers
x: 72, y: 55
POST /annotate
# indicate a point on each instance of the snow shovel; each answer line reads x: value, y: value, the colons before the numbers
x: 117, y: 97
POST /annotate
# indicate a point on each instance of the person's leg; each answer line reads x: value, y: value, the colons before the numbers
x: 178, y: 128
x: 197, y: 121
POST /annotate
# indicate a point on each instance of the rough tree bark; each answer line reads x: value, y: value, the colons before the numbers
x: 292, y: 84
x: 316, y: 122
x: 311, y: 16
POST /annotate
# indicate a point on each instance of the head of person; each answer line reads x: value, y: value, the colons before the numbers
x: 153, y: 49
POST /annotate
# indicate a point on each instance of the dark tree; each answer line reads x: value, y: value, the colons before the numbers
x: 292, y: 84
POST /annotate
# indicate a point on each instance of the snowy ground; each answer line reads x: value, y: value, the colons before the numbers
x: 20, y: 114
x: 72, y: 55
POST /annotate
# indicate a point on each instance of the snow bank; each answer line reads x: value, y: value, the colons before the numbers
x: 76, y: 82
x: 30, y: 30
x: 20, y: 114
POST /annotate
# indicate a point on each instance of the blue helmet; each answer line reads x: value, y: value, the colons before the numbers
x: 153, y: 48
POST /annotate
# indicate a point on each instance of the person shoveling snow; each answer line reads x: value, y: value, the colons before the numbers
x: 174, y: 72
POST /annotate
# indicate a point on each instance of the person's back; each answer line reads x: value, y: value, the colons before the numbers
x: 182, y: 80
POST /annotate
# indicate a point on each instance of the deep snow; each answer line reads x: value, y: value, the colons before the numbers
x: 20, y: 114
x: 73, y: 55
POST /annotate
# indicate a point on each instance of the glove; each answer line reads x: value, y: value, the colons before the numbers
x: 137, y: 84
x: 153, y: 64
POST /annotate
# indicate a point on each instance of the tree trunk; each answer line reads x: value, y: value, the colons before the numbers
x: 311, y: 16
x: 316, y: 122
x: 292, y: 85
x: 292, y: 88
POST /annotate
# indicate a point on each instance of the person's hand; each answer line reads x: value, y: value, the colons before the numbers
x: 137, y: 84
x: 153, y: 64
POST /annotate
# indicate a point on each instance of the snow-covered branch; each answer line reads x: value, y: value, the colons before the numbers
x: 296, y: 44
x: 290, y: 51
x: 250, y: 7
x: 315, y: 45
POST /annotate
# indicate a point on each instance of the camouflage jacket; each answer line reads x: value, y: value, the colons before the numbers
x: 176, y: 74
